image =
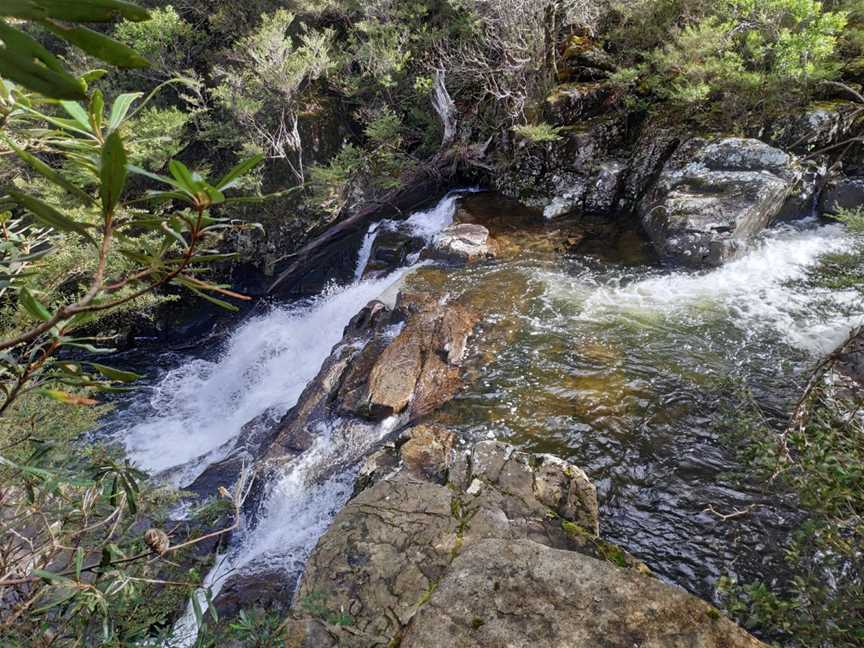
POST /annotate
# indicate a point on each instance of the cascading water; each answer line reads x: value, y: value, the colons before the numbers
x: 624, y: 368
x: 197, y: 408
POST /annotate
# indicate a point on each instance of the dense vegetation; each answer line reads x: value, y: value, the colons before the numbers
x: 118, y: 198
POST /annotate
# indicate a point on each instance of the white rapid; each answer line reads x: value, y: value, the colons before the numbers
x: 202, y: 405
x: 757, y: 292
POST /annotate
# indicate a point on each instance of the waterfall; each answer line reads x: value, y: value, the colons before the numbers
x: 195, y: 410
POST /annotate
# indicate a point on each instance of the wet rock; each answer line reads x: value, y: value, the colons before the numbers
x: 462, y: 243
x: 390, y: 251
x: 521, y: 593
x: 254, y: 438
x: 421, y: 366
x: 842, y: 193
x: 262, y: 588
x: 555, y: 176
x: 714, y: 196
x: 655, y: 146
x: 391, y: 361
x: 427, y: 451
x: 395, y: 374
x: 601, y: 196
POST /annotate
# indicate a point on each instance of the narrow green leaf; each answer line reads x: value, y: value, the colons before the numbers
x: 47, y: 215
x: 233, y: 176
x: 184, y: 177
x: 97, y: 109
x: 98, y: 45
x: 79, y: 562
x: 47, y: 172
x: 33, y: 306
x: 154, y: 176
x: 113, y: 172
x: 73, y: 10
x: 77, y: 112
x: 121, y: 108
x: 115, y: 374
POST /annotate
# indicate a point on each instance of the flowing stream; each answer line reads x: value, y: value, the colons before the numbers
x: 190, y: 414
x: 595, y: 353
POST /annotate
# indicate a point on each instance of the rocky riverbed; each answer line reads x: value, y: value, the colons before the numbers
x: 513, y: 426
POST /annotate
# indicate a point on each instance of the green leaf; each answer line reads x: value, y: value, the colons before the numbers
x: 73, y: 10
x: 25, y: 61
x: 79, y: 562
x: 154, y: 176
x: 115, y: 374
x: 33, y: 306
x: 230, y: 179
x: 184, y: 177
x: 77, y: 112
x: 47, y: 215
x: 98, y: 45
x: 113, y: 172
x: 47, y: 172
x: 121, y: 108
x: 97, y: 109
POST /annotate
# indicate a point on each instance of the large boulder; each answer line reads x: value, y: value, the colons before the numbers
x: 387, y: 549
x: 712, y: 197
x: 504, y: 552
x: 522, y: 594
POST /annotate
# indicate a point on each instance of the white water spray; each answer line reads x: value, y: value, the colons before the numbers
x: 266, y: 365
x: 754, y: 292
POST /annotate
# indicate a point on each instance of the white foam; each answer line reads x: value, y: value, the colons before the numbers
x: 266, y: 364
x: 756, y: 291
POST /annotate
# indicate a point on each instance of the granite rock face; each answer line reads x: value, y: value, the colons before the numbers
x: 712, y: 197
x: 487, y: 546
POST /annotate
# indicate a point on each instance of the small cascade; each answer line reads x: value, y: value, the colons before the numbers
x: 194, y: 412
x: 761, y: 290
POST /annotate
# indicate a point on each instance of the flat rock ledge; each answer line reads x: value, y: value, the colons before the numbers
x: 485, y: 547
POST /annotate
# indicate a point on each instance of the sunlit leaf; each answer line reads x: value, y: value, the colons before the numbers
x: 33, y: 306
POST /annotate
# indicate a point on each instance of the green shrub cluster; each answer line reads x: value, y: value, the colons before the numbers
x: 726, y: 62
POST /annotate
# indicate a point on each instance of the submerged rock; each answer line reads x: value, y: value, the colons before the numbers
x: 714, y: 196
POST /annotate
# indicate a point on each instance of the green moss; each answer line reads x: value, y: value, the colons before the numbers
x: 477, y: 623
